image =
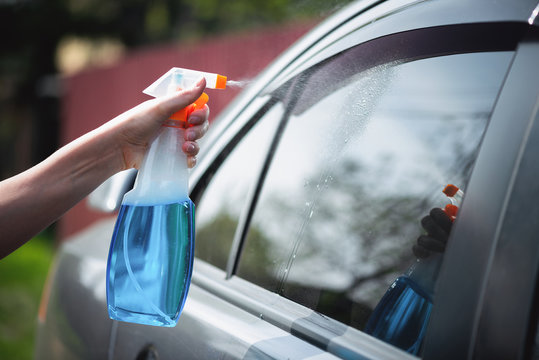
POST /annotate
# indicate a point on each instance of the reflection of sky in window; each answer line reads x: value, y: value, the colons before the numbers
x: 466, y: 85
x: 401, y: 113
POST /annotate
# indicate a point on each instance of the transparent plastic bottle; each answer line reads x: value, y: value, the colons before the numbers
x: 401, y: 317
x: 151, y: 253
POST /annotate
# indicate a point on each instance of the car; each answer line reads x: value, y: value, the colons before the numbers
x: 310, y: 189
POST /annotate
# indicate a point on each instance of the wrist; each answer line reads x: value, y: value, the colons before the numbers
x: 93, y: 157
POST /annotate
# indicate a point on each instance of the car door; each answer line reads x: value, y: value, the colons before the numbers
x: 311, y: 190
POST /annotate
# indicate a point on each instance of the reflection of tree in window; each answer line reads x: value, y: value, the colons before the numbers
x: 364, y: 239
x: 359, y: 240
x: 213, y: 239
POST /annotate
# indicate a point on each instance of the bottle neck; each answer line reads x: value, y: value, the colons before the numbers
x: 163, y: 176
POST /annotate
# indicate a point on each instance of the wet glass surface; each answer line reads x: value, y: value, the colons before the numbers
x: 357, y: 169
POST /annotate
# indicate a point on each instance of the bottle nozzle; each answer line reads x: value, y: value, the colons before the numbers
x: 220, y: 83
x: 178, y: 78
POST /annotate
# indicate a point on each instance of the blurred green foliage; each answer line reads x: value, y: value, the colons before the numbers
x: 22, y: 275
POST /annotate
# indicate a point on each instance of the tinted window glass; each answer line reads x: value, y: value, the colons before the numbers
x: 356, y: 170
x: 219, y: 209
x: 535, y: 349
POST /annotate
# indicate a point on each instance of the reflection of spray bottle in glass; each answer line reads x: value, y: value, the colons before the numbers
x: 402, y: 315
x: 151, y: 252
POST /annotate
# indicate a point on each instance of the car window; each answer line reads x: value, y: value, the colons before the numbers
x: 356, y: 169
x: 219, y: 209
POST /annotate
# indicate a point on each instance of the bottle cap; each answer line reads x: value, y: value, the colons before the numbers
x: 450, y: 190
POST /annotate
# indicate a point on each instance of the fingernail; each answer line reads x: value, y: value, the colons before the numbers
x: 190, y: 147
x: 191, y: 161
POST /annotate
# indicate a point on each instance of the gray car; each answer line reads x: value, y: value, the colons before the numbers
x: 311, y: 186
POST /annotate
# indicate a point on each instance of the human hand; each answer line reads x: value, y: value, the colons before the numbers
x: 135, y: 129
x: 198, y: 126
x: 438, y: 226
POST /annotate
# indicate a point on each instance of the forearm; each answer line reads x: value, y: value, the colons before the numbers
x: 32, y: 200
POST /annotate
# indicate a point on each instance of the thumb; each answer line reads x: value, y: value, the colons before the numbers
x: 169, y: 104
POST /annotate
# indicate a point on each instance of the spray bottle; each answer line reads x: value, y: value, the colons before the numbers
x: 402, y: 315
x: 151, y: 253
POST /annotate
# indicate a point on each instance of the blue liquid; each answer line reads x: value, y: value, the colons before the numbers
x: 150, y: 263
x: 401, y: 316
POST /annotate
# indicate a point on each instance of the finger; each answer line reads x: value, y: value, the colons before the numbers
x: 196, y: 132
x: 190, y: 148
x: 431, y: 244
x: 199, y: 116
x: 433, y: 229
x: 199, y: 124
x: 442, y: 219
